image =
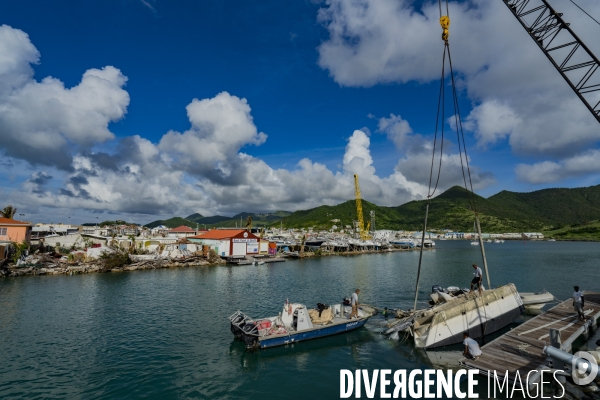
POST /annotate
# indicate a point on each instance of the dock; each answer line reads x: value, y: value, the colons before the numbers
x: 521, y: 349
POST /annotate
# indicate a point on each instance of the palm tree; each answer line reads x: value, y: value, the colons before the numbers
x: 8, y: 212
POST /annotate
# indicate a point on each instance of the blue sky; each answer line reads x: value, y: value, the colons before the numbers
x: 313, y: 73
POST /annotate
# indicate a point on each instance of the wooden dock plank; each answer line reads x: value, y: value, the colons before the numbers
x: 521, y: 349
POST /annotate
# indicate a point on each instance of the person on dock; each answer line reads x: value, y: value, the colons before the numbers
x: 354, y: 303
x: 477, y: 279
x: 472, y: 350
x: 578, y: 302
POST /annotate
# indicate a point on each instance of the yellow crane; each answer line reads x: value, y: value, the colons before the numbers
x: 364, y: 233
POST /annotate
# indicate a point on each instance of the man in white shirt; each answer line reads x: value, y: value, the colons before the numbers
x: 578, y: 302
x: 472, y: 350
x: 477, y: 279
x: 354, y: 303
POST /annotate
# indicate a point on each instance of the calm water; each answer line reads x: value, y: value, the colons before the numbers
x: 164, y: 334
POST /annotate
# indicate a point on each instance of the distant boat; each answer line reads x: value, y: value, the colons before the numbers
x: 403, y: 243
x: 315, y: 242
x: 552, y: 240
x: 474, y: 243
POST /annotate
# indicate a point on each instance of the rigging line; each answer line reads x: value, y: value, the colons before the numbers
x: 460, y: 153
x: 443, y: 124
x: 576, y: 5
x: 441, y: 99
x: 440, y: 6
x: 460, y: 133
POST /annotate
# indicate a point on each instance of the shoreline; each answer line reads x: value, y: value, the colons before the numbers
x: 71, y: 268
x: 74, y: 268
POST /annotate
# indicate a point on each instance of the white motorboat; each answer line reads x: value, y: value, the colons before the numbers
x: 458, y: 311
x: 474, y: 243
x: 294, y: 324
x: 536, y: 300
x: 427, y: 242
x: 403, y: 243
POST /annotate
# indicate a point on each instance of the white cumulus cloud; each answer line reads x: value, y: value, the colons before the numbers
x: 39, y: 121
x: 516, y: 94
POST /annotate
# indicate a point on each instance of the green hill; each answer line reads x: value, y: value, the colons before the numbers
x: 198, y: 218
x: 504, y: 212
x: 324, y: 217
x: 556, y: 207
x: 452, y: 210
x: 171, y: 223
x: 258, y: 219
x: 195, y: 217
x: 590, y: 231
x: 542, y: 210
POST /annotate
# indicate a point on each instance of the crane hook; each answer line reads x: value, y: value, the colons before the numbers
x: 445, y: 23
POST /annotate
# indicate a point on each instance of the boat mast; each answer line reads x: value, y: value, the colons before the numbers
x: 487, y: 273
x: 421, y: 255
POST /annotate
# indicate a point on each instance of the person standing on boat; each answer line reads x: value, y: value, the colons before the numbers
x: 354, y: 303
x: 472, y: 349
x: 477, y: 279
x: 578, y: 302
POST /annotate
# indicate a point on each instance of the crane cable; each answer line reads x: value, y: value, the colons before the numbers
x: 445, y: 23
x: 585, y: 12
x: 462, y: 147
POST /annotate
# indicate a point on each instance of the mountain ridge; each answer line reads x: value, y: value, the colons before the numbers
x: 506, y: 211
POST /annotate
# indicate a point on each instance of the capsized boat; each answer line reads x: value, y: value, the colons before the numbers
x: 456, y: 311
x: 295, y: 323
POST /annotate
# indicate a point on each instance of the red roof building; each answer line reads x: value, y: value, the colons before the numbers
x: 229, y: 242
x: 182, y: 231
x: 14, y: 231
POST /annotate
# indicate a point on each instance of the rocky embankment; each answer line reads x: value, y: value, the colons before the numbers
x: 53, y: 266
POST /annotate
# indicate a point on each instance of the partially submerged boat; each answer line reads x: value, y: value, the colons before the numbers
x: 295, y: 323
x: 456, y: 311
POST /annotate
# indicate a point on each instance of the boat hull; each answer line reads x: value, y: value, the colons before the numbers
x: 314, y: 333
x: 476, y: 315
x: 536, y: 300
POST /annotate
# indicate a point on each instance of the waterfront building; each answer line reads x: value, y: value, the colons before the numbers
x: 43, y: 230
x: 229, y: 242
x: 534, y: 235
x: 182, y: 232
x: 14, y: 231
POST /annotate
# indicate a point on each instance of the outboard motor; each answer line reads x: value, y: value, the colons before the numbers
x: 295, y: 320
x: 250, y: 335
x: 237, y: 325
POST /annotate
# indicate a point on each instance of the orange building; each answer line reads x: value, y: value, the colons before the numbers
x: 14, y: 231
